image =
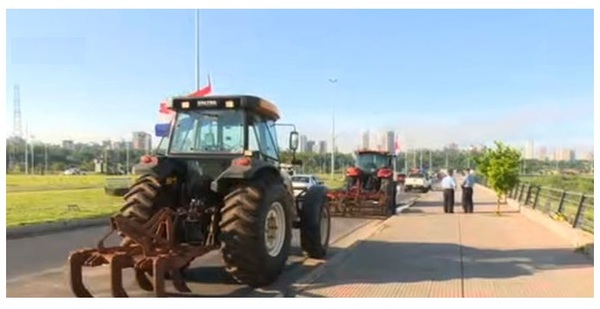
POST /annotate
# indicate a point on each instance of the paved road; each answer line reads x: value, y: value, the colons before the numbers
x: 35, y: 265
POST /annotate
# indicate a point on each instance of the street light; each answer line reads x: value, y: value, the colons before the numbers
x: 332, y: 81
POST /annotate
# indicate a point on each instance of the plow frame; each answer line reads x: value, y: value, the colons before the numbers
x: 150, y: 250
x: 355, y: 202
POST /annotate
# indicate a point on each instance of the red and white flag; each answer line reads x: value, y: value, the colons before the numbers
x: 166, y: 115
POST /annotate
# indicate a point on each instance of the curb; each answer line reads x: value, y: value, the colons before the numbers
x: 54, y: 227
x: 350, y: 242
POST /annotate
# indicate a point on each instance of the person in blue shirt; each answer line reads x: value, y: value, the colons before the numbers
x: 448, y: 185
x: 467, y: 189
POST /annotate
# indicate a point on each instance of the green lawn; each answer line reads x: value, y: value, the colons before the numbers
x: 38, y: 199
x: 335, y: 183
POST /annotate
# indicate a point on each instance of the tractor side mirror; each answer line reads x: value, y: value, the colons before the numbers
x: 294, y: 141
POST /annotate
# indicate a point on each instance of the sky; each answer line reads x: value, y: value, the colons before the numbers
x: 434, y: 76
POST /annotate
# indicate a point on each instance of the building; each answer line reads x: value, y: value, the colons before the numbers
x: 564, y: 155
x: 303, y: 142
x: 121, y: 145
x: 529, y: 151
x: 365, y: 139
x: 390, y: 141
x: 542, y: 153
x: 310, y: 146
x: 68, y: 144
x: 141, y: 141
x: 322, y: 147
x: 107, y: 144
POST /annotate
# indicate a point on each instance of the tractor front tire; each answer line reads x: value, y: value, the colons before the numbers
x: 256, y: 231
x: 315, y: 223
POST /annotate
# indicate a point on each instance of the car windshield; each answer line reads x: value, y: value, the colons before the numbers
x: 416, y: 175
x: 208, y: 131
x: 300, y: 179
x: 372, y: 161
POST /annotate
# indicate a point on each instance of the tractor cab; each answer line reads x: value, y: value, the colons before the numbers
x: 213, y: 132
x: 369, y: 168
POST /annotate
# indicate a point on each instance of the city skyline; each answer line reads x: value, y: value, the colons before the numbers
x: 383, y: 142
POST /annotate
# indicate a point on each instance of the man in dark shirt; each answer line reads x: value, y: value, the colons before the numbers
x: 467, y: 189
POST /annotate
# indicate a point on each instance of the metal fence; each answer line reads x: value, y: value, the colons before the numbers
x: 574, y: 207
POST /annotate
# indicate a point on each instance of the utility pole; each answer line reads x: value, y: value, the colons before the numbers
x: 430, y: 164
x: 33, y: 155
x: 127, y: 157
x: 105, y: 167
x: 26, y: 149
x: 45, y: 158
x: 415, y: 158
x: 332, y: 81
x: 197, y: 49
x: 406, y: 161
x: 420, y: 159
x: 446, y: 151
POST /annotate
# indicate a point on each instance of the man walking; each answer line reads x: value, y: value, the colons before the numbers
x: 467, y: 189
x: 449, y: 185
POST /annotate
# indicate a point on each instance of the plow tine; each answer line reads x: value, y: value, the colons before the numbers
x: 179, y: 283
x: 76, y: 261
x: 143, y: 281
x: 117, y: 263
x: 159, y: 266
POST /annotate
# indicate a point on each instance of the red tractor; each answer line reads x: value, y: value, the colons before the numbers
x: 370, y: 187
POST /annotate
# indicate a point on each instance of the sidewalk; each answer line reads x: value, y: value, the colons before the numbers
x: 426, y: 253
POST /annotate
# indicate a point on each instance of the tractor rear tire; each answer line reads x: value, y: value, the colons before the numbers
x: 249, y: 257
x: 141, y: 201
x: 314, y: 231
x: 388, y: 186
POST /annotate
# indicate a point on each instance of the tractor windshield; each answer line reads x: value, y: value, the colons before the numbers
x: 208, y: 131
x: 372, y: 161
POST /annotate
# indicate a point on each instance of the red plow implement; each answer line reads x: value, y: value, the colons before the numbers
x: 150, y: 251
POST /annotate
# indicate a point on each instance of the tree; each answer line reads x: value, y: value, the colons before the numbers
x: 500, y: 167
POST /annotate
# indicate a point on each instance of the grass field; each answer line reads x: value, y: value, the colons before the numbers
x: 32, y: 199
x: 39, y: 199
x: 334, y: 183
x: 580, y: 183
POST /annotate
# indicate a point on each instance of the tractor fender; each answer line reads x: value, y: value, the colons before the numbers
x: 162, y: 168
x: 236, y: 173
x: 242, y: 172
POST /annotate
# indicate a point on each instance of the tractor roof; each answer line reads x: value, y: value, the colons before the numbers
x: 248, y: 102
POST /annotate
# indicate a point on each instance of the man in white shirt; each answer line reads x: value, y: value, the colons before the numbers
x: 448, y: 185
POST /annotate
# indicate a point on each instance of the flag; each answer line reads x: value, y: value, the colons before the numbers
x: 203, y: 91
x: 396, y: 146
x: 166, y: 116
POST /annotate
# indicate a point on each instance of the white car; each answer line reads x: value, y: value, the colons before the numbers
x: 418, y: 181
x: 301, y: 182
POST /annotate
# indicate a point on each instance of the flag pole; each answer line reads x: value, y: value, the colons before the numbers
x: 197, y: 36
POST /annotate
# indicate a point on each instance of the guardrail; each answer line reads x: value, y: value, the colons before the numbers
x: 574, y: 207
